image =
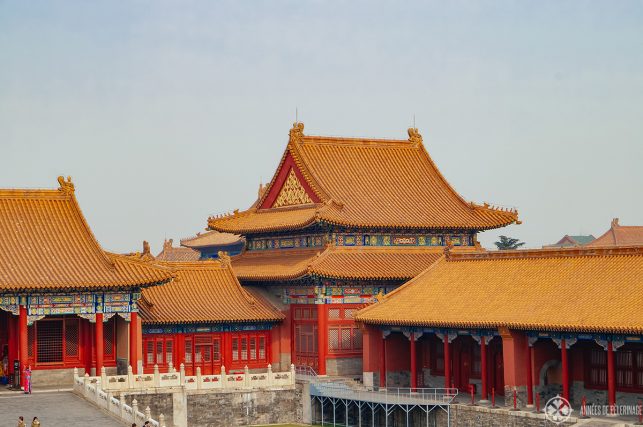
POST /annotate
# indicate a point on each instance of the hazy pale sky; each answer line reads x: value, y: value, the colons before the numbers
x: 166, y: 112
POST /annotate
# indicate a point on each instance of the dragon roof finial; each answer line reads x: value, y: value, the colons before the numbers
x: 67, y: 186
x: 414, y: 137
x: 296, y: 132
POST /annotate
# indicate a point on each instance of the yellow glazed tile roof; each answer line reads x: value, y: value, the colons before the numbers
x: 45, y: 243
x: 204, y: 292
x: 335, y: 262
x: 367, y: 183
x: 374, y: 262
x: 619, y: 235
x: 592, y: 290
x: 211, y: 238
x: 170, y: 253
x: 284, y: 264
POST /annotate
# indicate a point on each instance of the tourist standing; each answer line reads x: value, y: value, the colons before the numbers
x: 28, y: 380
x: 21, y: 422
x: 35, y: 422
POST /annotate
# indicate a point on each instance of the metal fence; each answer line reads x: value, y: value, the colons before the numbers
x: 340, y: 404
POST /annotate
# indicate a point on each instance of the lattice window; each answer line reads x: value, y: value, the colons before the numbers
x: 71, y: 337
x: 31, y: 336
x: 598, y: 367
x: 244, y: 349
x: 169, y: 347
x: 204, y: 340
x: 207, y: 353
x: 333, y: 313
x: 357, y: 339
x: 235, y: 348
x: 217, y: 350
x: 150, y: 353
x: 253, y: 348
x: 49, y: 341
x: 624, y: 368
x: 333, y: 338
x: 159, y: 352
x: 262, y: 348
x: 476, y: 360
x: 188, y: 351
x: 438, y: 350
x: 348, y: 313
x: 108, y: 337
x: 346, y: 338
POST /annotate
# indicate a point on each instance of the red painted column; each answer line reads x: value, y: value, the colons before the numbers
x: 383, y: 362
x: 322, y: 337
x: 87, y: 345
x: 447, y: 362
x: 23, y: 346
x: 133, y: 342
x: 483, y: 368
x: 13, y: 340
x: 530, y: 380
x: 611, y: 378
x: 100, y: 351
x: 414, y: 373
x: 565, y: 362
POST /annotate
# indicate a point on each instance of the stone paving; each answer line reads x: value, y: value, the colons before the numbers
x: 53, y: 409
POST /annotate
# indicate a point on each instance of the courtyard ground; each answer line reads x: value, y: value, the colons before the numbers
x: 53, y: 409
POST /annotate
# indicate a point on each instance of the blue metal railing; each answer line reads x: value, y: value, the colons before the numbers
x: 389, y: 396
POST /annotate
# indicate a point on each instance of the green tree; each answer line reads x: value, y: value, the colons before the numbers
x: 508, y: 243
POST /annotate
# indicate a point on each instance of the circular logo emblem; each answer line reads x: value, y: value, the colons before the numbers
x: 558, y: 410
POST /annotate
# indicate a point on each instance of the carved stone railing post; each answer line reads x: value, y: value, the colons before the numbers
x: 246, y: 377
x: 103, y: 375
x: 134, y: 410
x: 148, y: 414
x: 157, y: 376
x: 270, y: 375
x: 292, y: 374
x: 170, y: 368
x: 224, y: 379
x: 198, y: 378
x: 162, y: 420
x: 182, y: 374
x: 85, y: 382
x: 97, y: 391
x: 130, y: 377
x: 122, y: 400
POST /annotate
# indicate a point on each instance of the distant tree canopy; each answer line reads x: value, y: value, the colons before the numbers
x: 508, y: 243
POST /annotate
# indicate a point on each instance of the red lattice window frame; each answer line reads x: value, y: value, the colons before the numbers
x: 344, y: 335
x: 56, y: 342
x: 158, y: 350
x: 628, y: 361
x: 249, y: 349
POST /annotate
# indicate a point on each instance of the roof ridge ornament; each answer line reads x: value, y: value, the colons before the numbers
x: 296, y: 132
x: 224, y: 258
x: 67, y: 186
x: 414, y: 137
